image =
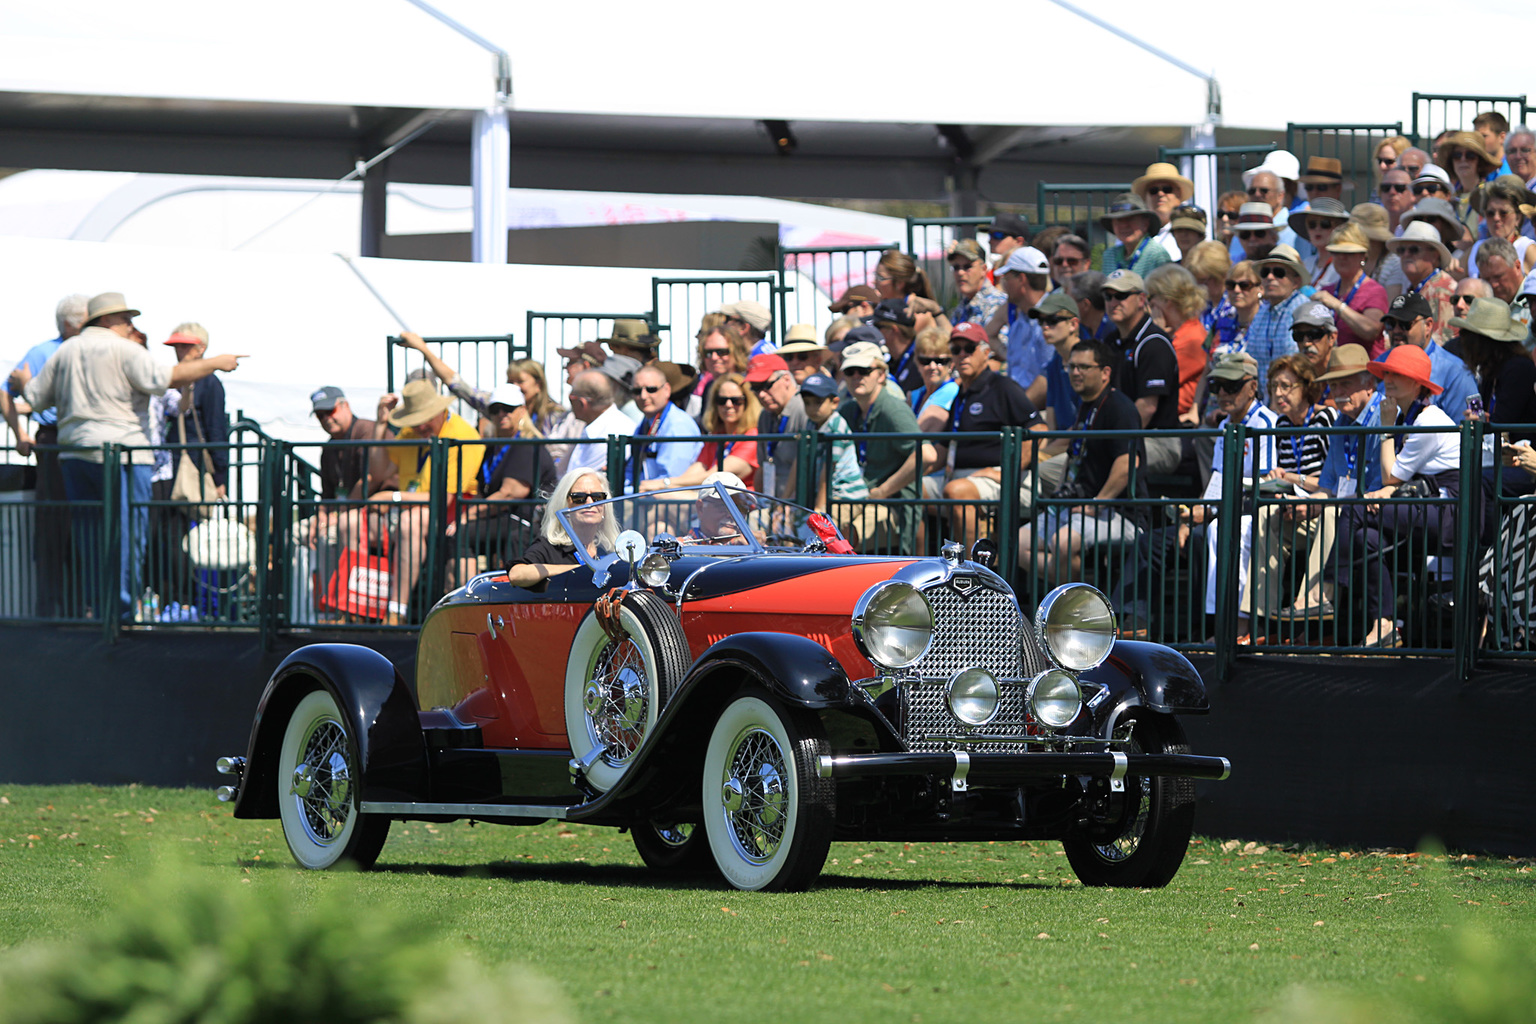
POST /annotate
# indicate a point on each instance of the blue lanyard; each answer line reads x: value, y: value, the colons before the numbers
x: 1130, y: 260
x: 1297, y: 444
x: 1085, y: 417
x: 1355, y: 440
x: 1358, y: 282
x: 862, y: 427
x: 488, y: 472
x: 1415, y: 289
x: 783, y: 422
x: 901, y: 364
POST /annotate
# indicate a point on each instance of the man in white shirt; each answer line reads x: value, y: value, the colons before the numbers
x: 101, y: 383
x: 592, y: 402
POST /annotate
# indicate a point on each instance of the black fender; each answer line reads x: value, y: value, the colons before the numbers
x: 1153, y: 676
x: 381, y: 716
x: 798, y: 671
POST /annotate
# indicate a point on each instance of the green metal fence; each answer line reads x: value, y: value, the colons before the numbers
x: 811, y: 278
x: 550, y: 332
x: 1077, y: 206
x: 472, y: 358
x: 1434, y: 113
x: 1224, y: 165
x: 679, y: 303
x: 928, y: 237
x: 1353, y: 145
x: 277, y: 554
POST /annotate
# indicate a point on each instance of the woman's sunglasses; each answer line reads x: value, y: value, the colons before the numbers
x: 584, y: 497
x: 731, y: 400
x: 1242, y: 285
x: 721, y: 352
x: 933, y: 360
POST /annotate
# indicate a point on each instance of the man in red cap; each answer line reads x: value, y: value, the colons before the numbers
x: 769, y: 377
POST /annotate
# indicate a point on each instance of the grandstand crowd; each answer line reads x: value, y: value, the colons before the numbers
x: 1291, y: 308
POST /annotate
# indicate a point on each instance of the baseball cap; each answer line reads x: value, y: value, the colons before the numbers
x: 1010, y: 224
x: 763, y: 367
x: 621, y: 369
x: 1026, y: 259
x: 819, y: 385
x: 969, y: 332
x: 862, y: 353
x: 1314, y: 314
x: 754, y: 313
x: 326, y: 398
x: 591, y: 351
x: 1126, y: 282
x: 893, y: 311
x: 1054, y: 304
x: 183, y: 339
x: 853, y: 296
x: 865, y: 335
x: 509, y: 395
x: 1407, y: 308
x: 1234, y: 366
x: 965, y: 248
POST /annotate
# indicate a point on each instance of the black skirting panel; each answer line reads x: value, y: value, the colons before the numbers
x: 1368, y: 752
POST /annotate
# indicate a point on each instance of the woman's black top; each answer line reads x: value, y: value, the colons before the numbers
x: 530, y: 464
x: 542, y: 552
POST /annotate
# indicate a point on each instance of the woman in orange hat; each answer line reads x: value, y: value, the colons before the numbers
x: 1433, y: 458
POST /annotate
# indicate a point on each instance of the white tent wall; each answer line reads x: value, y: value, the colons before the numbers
x: 306, y: 320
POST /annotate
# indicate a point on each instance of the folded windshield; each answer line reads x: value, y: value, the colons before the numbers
x: 715, y: 519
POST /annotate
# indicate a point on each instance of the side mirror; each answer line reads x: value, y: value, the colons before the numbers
x: 984, y: 552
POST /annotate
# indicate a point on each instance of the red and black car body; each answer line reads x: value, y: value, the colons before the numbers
x: 741, y: 709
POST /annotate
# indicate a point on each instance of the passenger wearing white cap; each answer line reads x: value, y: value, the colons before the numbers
x: 1025, y: 279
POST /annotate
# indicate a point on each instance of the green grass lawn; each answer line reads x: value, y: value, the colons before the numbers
x: 893, y: 932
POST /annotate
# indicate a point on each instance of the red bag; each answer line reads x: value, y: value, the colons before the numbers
x: 361, y: 584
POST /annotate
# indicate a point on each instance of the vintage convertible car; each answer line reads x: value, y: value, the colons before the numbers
x: 741, y: 694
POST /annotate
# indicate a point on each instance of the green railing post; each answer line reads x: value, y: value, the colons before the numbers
x: 109, y: 580
x: 437, y: 517
x: 1468, y: 528
x: 1008, y: 514
x: 1228, y: 548
x: 616, y: 453
x: 805, y: 469
x: 274, y: 518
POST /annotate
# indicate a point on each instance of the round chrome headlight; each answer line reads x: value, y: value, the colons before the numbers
x: 1076, y: 625
x: 1054, y: 698
x: 972, y: 696
x: 654, y: 569
x: 893, y: 624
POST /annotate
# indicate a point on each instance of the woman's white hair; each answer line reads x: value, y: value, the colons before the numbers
x: 69, y: 314
x: 552, y: 530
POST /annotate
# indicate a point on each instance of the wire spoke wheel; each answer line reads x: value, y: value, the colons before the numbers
x: 319, y: 789
x: 1144, y: 847
x: 617, y: 702
x: 767, y: 813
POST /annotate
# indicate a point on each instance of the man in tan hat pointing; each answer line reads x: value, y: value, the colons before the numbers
x: 101, y: 383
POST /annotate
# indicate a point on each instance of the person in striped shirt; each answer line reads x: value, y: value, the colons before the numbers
x: 1235, y: 383
x: 1297, y: 398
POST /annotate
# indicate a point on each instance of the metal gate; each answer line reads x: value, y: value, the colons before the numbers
x: 814, y: 277
x: 481, y: 362
x: 1434, y: 113
x: 1077, y: 206
x: 1223, y: 164
x: 679, y: 303
x: 548, y: 332
x: 1353, y: 145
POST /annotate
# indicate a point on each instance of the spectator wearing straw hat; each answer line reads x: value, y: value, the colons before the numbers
x: 1356, y: 301
x: 1255, y: 232
x: 1025, y: 280
x: 1325, y: 179
x: 1135, y: 228
x: 1469, y: 164
x: 803, y: 352
x: 1424, y: 258
x: 101, y: 384
x: 1281, y: 275
x: 751, y: 322
x: 1162, y: 188
x: 1375, y: 223
x: 1493, y: 337
x: 1353, y: 464
x: 1408, y: 322
x: 979, y: 298
x: 1187, y: 229
x: 633, y: 338
x: 1318, y: 222
x: 1149, y: 369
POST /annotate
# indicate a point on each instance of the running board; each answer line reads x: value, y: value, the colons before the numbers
x: 406, y: 809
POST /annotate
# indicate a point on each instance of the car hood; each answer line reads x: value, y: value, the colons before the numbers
x: 839, y: 579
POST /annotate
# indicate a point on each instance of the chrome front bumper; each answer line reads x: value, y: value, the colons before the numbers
x: 964, y: 769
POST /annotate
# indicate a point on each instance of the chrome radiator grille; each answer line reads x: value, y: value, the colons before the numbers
x: 982, y: 628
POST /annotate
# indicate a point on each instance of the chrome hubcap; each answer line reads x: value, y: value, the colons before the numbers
x: 755, y: 796
x: 617, y: 702
x: 322, y: 782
